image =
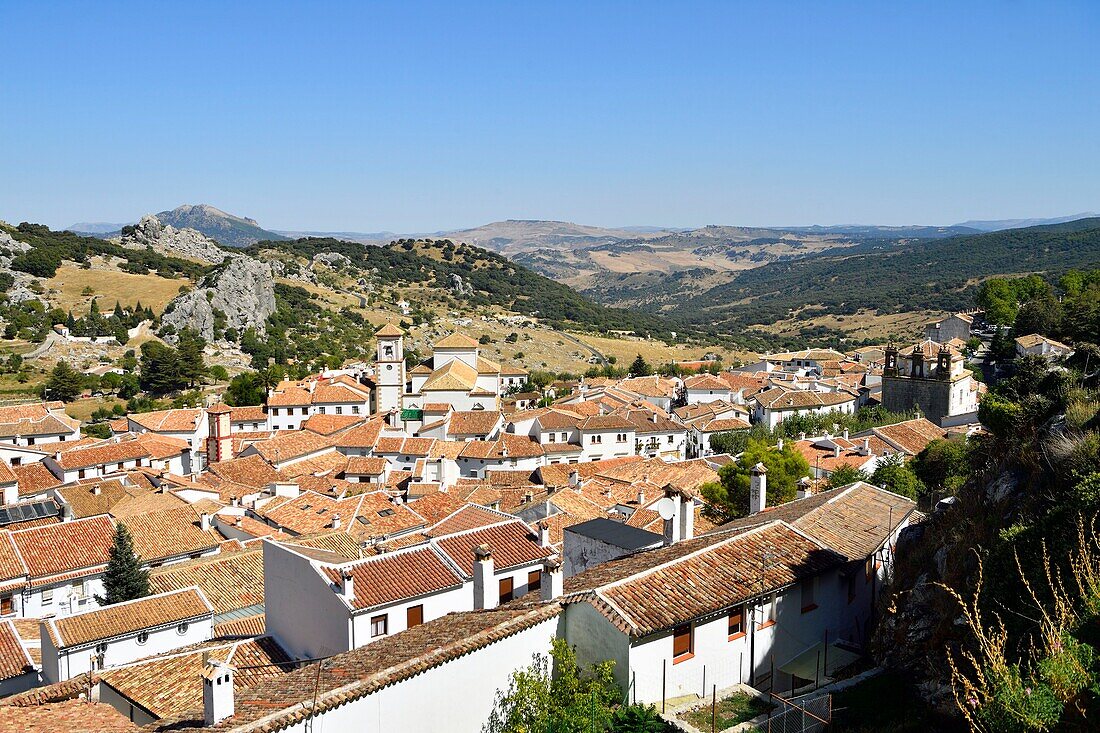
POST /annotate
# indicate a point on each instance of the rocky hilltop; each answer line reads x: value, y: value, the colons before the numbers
x: 222, y: 227
x: 242, y: 289
x: 170, y: 241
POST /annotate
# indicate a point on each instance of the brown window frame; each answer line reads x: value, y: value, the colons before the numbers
x: 767, y: 608
x: 735, y: 623
x: 7, y: 605
x: 679, y: 634
x: 534, y: 581
x: 414, y: 612
x: 510, y: 593
x: 385, y: 619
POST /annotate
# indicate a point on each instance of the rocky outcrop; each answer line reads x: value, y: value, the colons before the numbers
x: 243, y: 288
x: 167, y: 240
x: 20, y: 291
x: 459, y: 286
x: 335, y: 260
x: 292, y: 271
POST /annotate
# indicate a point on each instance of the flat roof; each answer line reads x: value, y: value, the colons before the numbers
x: 616, y: 533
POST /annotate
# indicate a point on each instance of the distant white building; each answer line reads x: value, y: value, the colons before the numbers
x: 1035, y: 345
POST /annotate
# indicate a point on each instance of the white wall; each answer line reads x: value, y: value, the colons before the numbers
x: 302, y: 611
x: 435, y: 605
x: 456, y: 696
x: 33, y: 606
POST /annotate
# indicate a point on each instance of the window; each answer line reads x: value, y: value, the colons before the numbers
x: 620, y: 438
x: 414, y: 616
x: 597, y: 438
x: 553, y: 437
x: 671, y: 439
x: 339, y: 410
x: 808, y: 602
x: 736, y: 623
x: 143, y: 638
x: 30, y: 441
x: 379, y: 625
x: 534, y: 580
x: 767, y: 613
x: 683, y: 644
x: 182, y: 628
x: 80, y: 473
x: 6, y: 605
x: 355, y: 409
x: 505, y: 586
x: 16, y: 460
x: 47, y: 596
x: 274, y: 410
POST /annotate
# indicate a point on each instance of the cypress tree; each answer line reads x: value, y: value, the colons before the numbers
x: 125, y: 579
x: 639, y: 368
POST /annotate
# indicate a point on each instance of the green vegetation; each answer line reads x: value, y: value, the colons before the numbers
x: 556, y: 696
x: 125, y: 579
x: 729, y: 498
x: 495, y: 281
x: 166, y: 369
x: 639, y: 367
x: 728, y: 712
x: 885, y: 704
x: 65, y: 383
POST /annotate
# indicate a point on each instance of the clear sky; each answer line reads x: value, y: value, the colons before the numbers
x: 412, y: 116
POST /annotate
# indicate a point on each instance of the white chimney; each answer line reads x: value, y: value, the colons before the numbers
x: 779, y: 444
x: 96, y: 491
x: 544, y: 533
x: 574, y: 478
x: 687, y: 517
x: 758, y: 488
x: 836, y: 451
x: 673, y: 527
x: 641, y: 497
x: 553, y: 579
x: 66, y: 512
x: 217, y: 691
x: 347, y: 585
x: 866, y: 449
x: 484, y: 595
x: 805, y: 488
x: 336, y: 521
x: 204, y: 522
x: 802, y: 435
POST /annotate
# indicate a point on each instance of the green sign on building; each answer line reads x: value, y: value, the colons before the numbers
x: 412, y: 414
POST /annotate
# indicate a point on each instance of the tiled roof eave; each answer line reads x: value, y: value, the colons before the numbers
x: 158, y: 627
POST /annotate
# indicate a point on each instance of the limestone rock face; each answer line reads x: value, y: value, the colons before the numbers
x: 243, y: 289
x: 459, y: 286
x: 167, y: 240
x: 20, y: 291
x: 335, y: 260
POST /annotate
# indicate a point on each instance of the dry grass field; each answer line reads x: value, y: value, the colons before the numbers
x: 863, y: 325
x: 67, y: 289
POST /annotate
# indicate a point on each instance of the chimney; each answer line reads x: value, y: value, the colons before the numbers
x: 805, y: 488
x: 574, y: 478
x: 527, y: 496
x: 779, y: 444
x: 802, y: 435
x: 553, y: 579
x: 238, y: 521
x: 673, y: 527
x: 865, y: 449
x: 336, y: 521
x: 687, y: 517
x: 641, y: 497
x: 235, y: 502
x: 845, y: 433
x: 544, y: 533
x: 758, y: 488
x: 66, y: 512
x: 96, y: 491
x: 204, y: 522
x: 347, y: 585
x: 484, y: 595
x: 398, y: 499
x: 217, y: 691
x: 653, y: 418
x: 836, y: 451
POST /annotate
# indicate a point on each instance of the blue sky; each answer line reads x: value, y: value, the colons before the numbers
x: 422, y: 116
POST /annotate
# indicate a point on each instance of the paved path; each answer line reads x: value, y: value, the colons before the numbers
x: 595, y: 352
x: 51, y: 338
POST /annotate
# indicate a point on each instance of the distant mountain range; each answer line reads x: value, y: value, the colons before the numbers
x: 96, y: 227
x: 996, y: 225
x: 222, y: 227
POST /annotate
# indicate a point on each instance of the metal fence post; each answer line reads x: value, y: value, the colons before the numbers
x: 664, y: 671
x: 713, y: 706
x: 704, y: 681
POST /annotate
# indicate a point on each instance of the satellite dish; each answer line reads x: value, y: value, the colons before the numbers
x: 666, y: 508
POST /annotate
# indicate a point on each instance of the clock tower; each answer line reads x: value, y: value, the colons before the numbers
x: 389, y: 377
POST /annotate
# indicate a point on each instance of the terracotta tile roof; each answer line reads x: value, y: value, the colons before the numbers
x: 115, y: 498
x: 70, y: 716
x: 780, y: 398
x: 455, y: 375
x: 363, y: 436
x: 824, y: 458
x: 11, y: 564
x: 328, y: 394
x: 290, y: 445
x: 469, y: 516
x: 910, y: 436
x: 327, y: 424
x: 364, y: 516
x: 103, y: 455
x: 455, y: 341
x: 557, y: 474
x: 417, y: 446
x: 168, y: 421
x: 255, y: 625
x: 486, y: 366
x: 335, y: 542
x: 506, y: 446
x: 853, y: 520
x: 289, y: 395
x: 248, y: 413
x: 392, y: 577
x: 511, y: 543
x: 169, y: 533
x: 556, y: 419
x: 708, y: 382
x: 654, y: 386
x: 230, y: 582
x: 172, y: 685
x: 66, y: 547
x: 606, y: 422
x: 14, y: 658
x: 277, y: 704
x: 724, y: 424
x: 323, y: 465
x: 473, y: 422
x: 366, y: 466
x: 251, y: 471
x: 34, y: 478
x: 46, y: 425
x: 683, y: 475
x: 436, y: 506
x: 651, y: 591
x: 128, y: 617
x: 389, y: 331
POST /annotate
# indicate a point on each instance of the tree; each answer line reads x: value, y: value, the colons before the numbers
x: 125, y: 578
x: 245, y: 389
x: 219, y: 373
x: 160, y: 368
x: 729, y: 498
x: 192, y: 368
x: 894, y: 474
x: 1042, y: 315
x: 845, y: 475
x: 639, y: 367
x: 65, y: 383
x: 731, y: 442
x: 942, y: 466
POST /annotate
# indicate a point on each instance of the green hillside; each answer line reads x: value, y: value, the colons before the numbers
x: 893, y: 277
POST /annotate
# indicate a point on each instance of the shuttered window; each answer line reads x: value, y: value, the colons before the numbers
x: 414, y: 616
x: 505, y: 590
x: 682, y: 643
x: 534, y: 580
x: 737, y: 623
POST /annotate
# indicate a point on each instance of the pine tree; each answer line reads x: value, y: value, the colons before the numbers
x: 65, y: 383
x: 639, y: 367
x: 125, y: 579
